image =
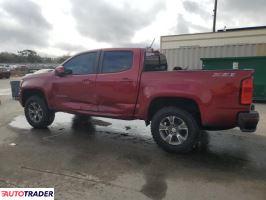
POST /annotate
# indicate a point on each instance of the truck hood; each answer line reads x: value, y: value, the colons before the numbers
x: 38, y: 75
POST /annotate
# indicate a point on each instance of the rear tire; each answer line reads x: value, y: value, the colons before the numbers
x: 37, y: 113
x: 174, y: 130
x: 51, y: 118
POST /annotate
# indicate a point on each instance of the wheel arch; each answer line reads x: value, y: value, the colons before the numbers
x: 27, y: 93
x: 187, y: 104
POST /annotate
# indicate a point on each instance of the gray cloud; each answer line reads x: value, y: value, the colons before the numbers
x: 22, y: 25
x: 106, y: 23
x: 69, y: 47
x: 193, y: 7
x: 196, y: 8
x: 242, y: 12
x: 232, y: 13
x: 184, y: 26
x: 200, y: 28
x: 143, y: 44
x: 244, y: 6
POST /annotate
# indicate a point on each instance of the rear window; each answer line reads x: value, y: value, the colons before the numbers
x: 155, y: 62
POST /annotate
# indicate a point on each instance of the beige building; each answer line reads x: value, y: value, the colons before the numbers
x: 186, y: 50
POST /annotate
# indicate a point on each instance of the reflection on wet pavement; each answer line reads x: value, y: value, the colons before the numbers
x: 81, y: 146
x: 5, y: 92
x: 215, y: 146
x: 83, y: 124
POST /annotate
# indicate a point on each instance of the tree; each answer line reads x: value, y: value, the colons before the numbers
x: 6, y: 57
x: 27, y: 53
x: 30, y: 55
x: 62, y: 58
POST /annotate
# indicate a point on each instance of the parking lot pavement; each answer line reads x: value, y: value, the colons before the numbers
x: 99, y: 158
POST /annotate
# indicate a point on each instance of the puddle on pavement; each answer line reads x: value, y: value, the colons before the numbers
x: 5, y: 92
x: 219, y: 152
x: 100, y: 122
x: 155, y: 186
x: 83, y: 125
x: 61, y: 119
x: 134, y: 130
x: 20, y: 122
x: 214, y: 148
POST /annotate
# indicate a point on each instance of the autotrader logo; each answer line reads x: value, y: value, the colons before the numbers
x: 27, y: 193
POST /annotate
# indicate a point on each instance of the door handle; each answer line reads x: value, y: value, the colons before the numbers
x: 126, y: 80
x: 88, y: 81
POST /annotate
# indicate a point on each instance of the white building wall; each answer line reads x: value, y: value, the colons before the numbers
x: 189, y: 57
x: 186, y: 50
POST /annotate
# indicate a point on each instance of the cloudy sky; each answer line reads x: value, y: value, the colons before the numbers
x: 56, y: 27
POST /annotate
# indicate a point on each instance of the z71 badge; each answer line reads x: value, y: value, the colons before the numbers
x: 225, y: 74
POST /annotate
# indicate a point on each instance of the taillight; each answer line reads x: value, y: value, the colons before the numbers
x: 247, y: 91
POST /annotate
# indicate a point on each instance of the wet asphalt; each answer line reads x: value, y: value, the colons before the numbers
x: 91, y: 158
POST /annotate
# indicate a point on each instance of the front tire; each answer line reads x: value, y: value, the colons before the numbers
x: 37, y: 113
x: 174, y: 130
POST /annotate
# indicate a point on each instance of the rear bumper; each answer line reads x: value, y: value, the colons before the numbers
x: 247, y: 121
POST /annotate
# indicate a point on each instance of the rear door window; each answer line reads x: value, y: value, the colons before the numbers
x: 116, y: 61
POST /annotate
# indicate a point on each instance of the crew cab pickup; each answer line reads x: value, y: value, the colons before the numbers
x: 134, y: 83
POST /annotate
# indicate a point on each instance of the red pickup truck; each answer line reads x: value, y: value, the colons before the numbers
x: 133, y: 83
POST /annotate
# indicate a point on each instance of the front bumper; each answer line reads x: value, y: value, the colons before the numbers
x: 247, y: 121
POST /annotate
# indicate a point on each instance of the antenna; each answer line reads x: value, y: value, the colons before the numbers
x: 214, y: 16
x: 152, y: 43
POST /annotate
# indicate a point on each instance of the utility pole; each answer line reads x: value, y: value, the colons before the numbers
x: 214, y: 16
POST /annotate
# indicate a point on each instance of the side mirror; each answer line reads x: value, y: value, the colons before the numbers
x: 61, y: 71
